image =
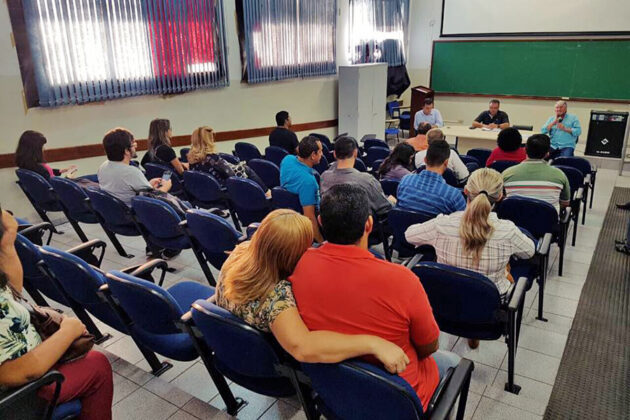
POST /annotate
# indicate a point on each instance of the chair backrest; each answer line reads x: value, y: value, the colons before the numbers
x: 472, y: 167
x: 268, y: 171
x: 156, y: 170
x: 322, y: 166
x: 576, y: 162
x: 247, y: 151
x: 469, y: 159
x: 38, y: 189
x: 282, y: 198
x: 324, y: 139
x: 203, y: 189
x: 248, y: 199
x: 275, y: 154
x: 465, y: 303
x: 149, y: 306
x: 73, y: 198
x: 502, y: 165
x: 359, y: 165
x: 390, y: 187
x: 214, y: 235
x: 377, y: 164
x: 238, y: 348
x: 574, y: 175
x: 399, y: 220
x: 230, y: 158
x: 450, y: 178
x: 183, y: 154
x: 369, y: 143
x: 157, y: 217
x: 375, y: 153
x: 537, y: 216
x: 523, y: 127
x: 112, y: 211
x: 481, y: 155
x: 355, y: 390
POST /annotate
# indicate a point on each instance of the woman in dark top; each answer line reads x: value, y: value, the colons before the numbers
x: 398, y: 164
x: 30, y: 155
x: 203, y: 157
x: 160, y: 150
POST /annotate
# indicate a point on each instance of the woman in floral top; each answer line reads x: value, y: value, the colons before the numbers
x: 253, y: 286
x: 23, y: 355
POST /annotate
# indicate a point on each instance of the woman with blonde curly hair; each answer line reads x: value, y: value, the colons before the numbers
x: 253, y: 286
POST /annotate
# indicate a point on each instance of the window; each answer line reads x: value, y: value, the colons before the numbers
x: 284, y: 39
x: 378, y: 31
x: 93, y: 50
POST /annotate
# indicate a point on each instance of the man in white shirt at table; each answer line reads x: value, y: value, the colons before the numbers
x: 429, y: 115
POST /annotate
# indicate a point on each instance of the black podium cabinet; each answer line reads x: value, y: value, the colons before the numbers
x: 606, y: 132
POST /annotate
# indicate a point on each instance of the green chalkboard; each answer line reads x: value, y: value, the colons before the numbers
x: 587, y: 69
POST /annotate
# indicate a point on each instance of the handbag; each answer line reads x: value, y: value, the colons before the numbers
x: 47, y: 321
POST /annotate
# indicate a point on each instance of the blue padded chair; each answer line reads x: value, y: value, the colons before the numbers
x: 481, y: 155
x: 355, y: 389
x: 153, y: 314
x: 588, y: 172
x: 245, y: 355
x: 324, y: 140
x: 159, y: 223
x: 359, y: 165
x: 39, y: 192
x: 472, y: 167
x: 322, y: 166
x: 502, y: 165
x: 376, y: 165
x: 390, y: 187
x: 268, y: 171
x: 183, y: 154
x: 541, y: 220
x: 212, y: 238
x: 23, y: 403
x: 404, y: 118
x: 282, y: 198
x: 246, y: 151
x: 205, y: 192
x: 275, y: 154
x: 114, y: 216
x: 469, y: 159
x: 248, y: 199
x: 376, y: 153
x: 230, y: 158
x: 399, y: 220
x: 35, y: 232
x: 369, y: 143
x: 467, y: 304
x: 576, y: 181
x: 156, y: 170
x: 73, y: 200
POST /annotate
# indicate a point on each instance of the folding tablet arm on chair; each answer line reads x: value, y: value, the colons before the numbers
x: 455, y: 386
x: 88, y: 248
x: 514, y: 309
x: 10, y: 399
x: 145, y: 271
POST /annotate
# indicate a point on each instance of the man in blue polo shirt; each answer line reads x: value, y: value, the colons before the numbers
x: 427, y: 192
x: 563, y: 129
x: 296, y: 175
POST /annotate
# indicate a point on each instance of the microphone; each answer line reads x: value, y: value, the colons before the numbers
x: 560, y: 119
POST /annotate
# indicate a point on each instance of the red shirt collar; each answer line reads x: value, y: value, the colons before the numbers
x: 347, y: 251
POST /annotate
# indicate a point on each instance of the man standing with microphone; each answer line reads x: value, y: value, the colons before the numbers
x: 563, y: 129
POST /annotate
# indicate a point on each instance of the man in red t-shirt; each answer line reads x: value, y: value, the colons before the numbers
x: 342, y: 287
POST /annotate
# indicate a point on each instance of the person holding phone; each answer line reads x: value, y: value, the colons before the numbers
x: 30, y: 155
x: 25, y: 357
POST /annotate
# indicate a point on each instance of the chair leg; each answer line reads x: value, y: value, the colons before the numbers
x: 157, y: 367
x: 542, y: 278
x: 307, y: 403
x: 203, y: 263
x: 561, y: 256
x: 77, y: 228
x: 45, y: 218
x: 584, y: 204
x: 576, y: 221
x: 590, y: 206
x: 510, y: 386
x: 99, y: 337
x: 463, y: 398
x: 117, y: 245
x: 36, y: 296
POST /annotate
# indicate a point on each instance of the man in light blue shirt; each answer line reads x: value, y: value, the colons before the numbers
x: 428, y: 114
x: 563, y: 129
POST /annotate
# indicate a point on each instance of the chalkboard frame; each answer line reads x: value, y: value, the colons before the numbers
x: 534, y: 97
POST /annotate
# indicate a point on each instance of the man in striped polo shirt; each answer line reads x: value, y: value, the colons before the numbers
x: 535, y: 178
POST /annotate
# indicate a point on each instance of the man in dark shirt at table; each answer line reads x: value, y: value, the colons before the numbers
x: 492, y: 118
x: 281, y: 136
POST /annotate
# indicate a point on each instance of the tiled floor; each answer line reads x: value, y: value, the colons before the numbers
x: 186, y: 391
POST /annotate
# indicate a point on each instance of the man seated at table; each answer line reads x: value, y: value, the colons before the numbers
x: 492, y: 118
x: 428, y: 114
x: 563, y: 129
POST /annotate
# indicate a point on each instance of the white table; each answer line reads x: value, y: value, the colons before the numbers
x: 466, y: 138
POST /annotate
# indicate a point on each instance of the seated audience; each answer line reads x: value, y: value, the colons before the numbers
x: 343, y: 172
x: 296, y: 175
x: 492, y: 118
x: 398, y: 164
x: 117, y: 176
x: 30, y: 155
x: 508, y: 147
x: 24, y: 357
x: 203, y: 157
x: 535, y: 178
x: 282, y: 136
x: 427, y: 192
x: 428, y: 114
x: 563, y: 129
x: 420, y: 141
x: 160, y: 150
x: 455, y: 163
x: 253, y: 286
x: 342, y: 287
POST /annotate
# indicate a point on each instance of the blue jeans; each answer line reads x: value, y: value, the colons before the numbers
x: 445, y: 360
x: 564, y: 152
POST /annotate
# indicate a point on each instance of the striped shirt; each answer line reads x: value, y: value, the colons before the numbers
x: 428, y: 193
x: 535, y: 178
x: 443, y: 234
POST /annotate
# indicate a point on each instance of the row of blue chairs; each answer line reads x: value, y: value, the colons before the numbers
x: 157, y: 320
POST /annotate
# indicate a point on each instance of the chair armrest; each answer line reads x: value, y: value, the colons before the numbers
x: 39, y: 226
x: 31, y: 388
x: 518, y: 295
x: 565, y: 217
x: 579, y: 194
x: 90, y: 246
x: 587, y: 179
x: 147, y: 268
x: 458, y: 383
x: 544, y: 244
x: 404, y: 107
x: 251, y: 229
x: 413, y: 261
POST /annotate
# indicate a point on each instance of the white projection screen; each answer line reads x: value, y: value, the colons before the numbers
x: 535, y: 17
